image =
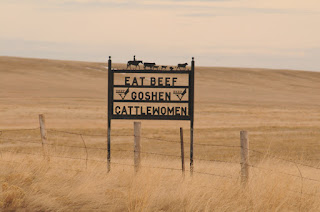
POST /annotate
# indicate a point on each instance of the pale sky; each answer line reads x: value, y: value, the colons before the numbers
x: 233, y: 33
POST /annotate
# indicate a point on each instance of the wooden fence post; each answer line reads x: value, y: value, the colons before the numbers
x: 244, y: 143
x: 137, y: 132
x: 182, y: 150
x: 43, y: 133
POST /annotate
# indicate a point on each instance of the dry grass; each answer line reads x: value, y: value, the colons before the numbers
x: 39, y: 185
x: 279, y: 108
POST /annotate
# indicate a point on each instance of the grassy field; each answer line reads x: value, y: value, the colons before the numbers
x: 279, y: 108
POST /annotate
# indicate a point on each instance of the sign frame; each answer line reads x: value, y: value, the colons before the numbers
x: 111, y: 101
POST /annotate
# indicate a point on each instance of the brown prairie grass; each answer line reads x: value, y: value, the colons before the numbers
x: 35, y: 184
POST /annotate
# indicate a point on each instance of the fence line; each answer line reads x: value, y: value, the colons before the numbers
x: 286, y: 160
x: 54, y: 156
x: 199, y: 144
x: 31, y: 142
x: 176, y: 169
x: 100, y: 135
x: 14, y: 130
x: 83, y: 134
x: 292, y: 175
x: 104, y: 161
x: 123, y: 150
x: 151, y: 153
x: 101, y: 148
x: 49, y: 167
x: 213, y: 160
x: 122, y: 164
x: 85, y: 147
x: 74, y: 133
x: 216, y: 175
x: 115, y: 163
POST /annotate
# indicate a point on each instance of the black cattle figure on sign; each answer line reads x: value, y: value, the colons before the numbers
x: 149, y: 65
x: 134, y: 62
x: 163, y: 67
x: 156, y: 67
x: 184, y: 65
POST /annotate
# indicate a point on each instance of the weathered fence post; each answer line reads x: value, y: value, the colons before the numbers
x: 137, y: 131
x: 244, y: 142
x: 182, y: 149
x: 43, y: 133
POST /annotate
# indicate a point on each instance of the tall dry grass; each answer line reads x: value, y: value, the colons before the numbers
x: 34, y: 184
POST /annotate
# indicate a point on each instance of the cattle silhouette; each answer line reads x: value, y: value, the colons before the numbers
x: 149, y: 65
x: 184, y: 65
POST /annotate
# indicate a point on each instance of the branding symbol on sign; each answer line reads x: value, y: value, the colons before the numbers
x: 180, y: 94
x: 122, y: 93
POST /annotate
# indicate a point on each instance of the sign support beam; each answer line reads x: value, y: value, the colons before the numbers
x: 191, y: 112
x: 110, y: 104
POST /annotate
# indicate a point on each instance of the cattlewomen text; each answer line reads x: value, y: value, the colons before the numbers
x: 151, y: 110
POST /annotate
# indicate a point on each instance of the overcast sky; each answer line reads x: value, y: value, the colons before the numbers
x: 242, y: 33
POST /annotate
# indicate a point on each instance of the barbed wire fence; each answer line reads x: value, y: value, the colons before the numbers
x: 85, y: 147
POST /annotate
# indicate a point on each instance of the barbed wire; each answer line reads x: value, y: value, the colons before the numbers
x: 287, y: 160
x: 54, y: 156
x: 178, y: 142
x: 174, y: 169
x: 95, y: 148
x: 28, y: 153
x: 78, y: 147
x: 156, y: 167
x: 151, y: 153
x: 303, y: 193
x: 117, y: 163
x: 15, y: 162
x: 143, y: 152
x: 17, y: 140
x: 160, y: 154
x: 74, y: 133
x: 284, y: 173
x: 160, y: 139
x: 88, y: 135
x: 214, y: 160
x: 105, y: 161
x: 123, y: 135
x: 131, y: 165
x: 14, y: 130
x: 216, y: 175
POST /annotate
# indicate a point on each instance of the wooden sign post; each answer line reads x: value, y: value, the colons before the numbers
x: 151, y: 94
x: 137, y: 146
